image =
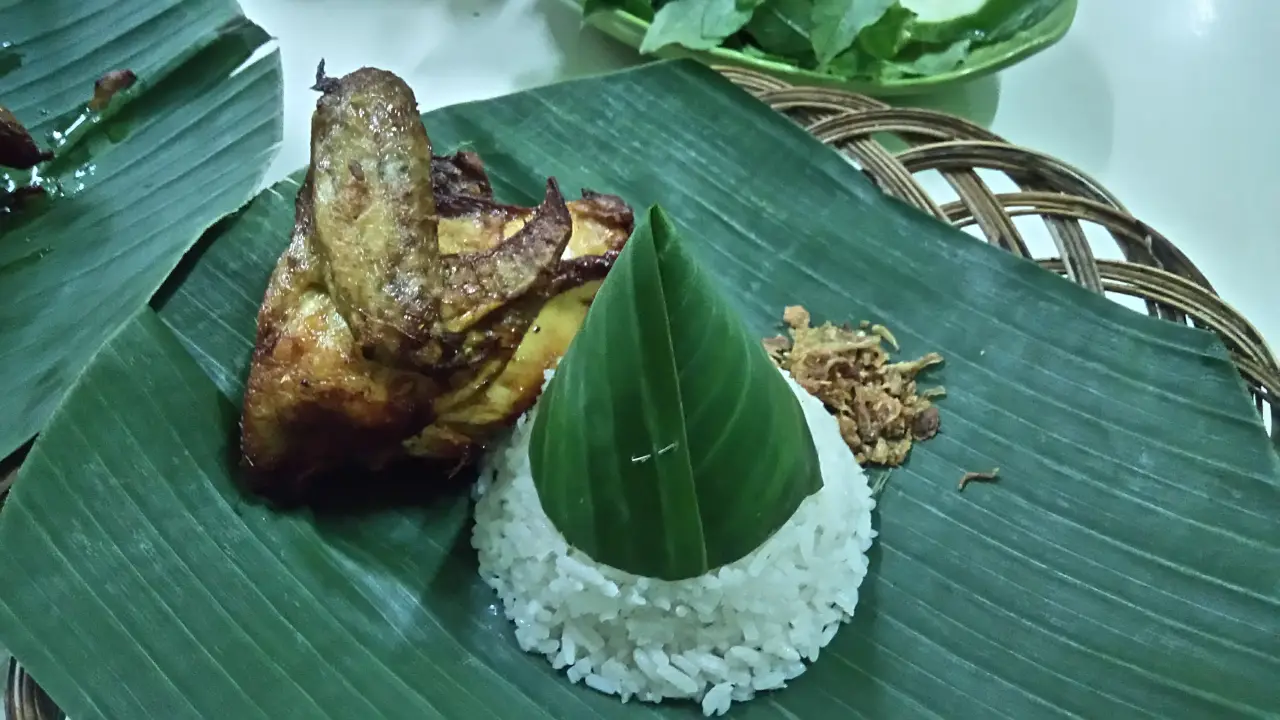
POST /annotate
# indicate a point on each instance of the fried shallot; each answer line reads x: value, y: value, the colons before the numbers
x: 880, y: 410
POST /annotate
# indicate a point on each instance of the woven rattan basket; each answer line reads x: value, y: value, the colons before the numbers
x: 1154, y: 270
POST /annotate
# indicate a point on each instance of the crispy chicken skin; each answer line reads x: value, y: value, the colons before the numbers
x: 410, y: 312
x: 507, y: 386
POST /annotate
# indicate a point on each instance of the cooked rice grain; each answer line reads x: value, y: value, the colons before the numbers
x: 716, y: 639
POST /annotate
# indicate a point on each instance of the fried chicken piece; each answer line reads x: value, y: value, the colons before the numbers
x: 457, y: 177
x: 876, y: 402
x: 508, y: 386
x: 400, y: 318
x: 18, y: 149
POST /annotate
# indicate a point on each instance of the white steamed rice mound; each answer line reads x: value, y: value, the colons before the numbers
x: 715, y: 639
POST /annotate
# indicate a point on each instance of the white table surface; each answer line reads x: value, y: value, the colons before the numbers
x: 1169, y: 103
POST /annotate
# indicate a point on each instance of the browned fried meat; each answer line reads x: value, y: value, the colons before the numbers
x: 410, y: 313
x: 18, y: 150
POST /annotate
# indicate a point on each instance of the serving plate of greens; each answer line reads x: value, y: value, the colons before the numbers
x: 561, y: 405
x: 877, y: 47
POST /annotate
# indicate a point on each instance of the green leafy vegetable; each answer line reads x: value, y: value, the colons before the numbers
x: 852, y: 63
x: 1136, y: 510
x: 129, y: 191
x: 697, y: 24
x: 837, y: 24
x: 931, y: 62
x: 638, y: 449
x: 880, y: 46
x: 726, y: 17
x: 781, y: 28
x: 886, y: 37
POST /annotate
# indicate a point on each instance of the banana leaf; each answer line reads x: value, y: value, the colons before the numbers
x: 132, y: 187
x: 1125, y: 564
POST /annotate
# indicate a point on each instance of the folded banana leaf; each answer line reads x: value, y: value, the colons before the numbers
x: 1125, y: 564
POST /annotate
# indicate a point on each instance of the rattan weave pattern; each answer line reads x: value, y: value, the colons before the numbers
x: 1066, y: 199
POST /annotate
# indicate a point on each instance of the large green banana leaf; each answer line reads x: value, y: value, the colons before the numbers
x: 1125, y: 565
x: 188, y: 144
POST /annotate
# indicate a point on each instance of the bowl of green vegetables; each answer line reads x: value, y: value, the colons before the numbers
x: 877, y: 47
